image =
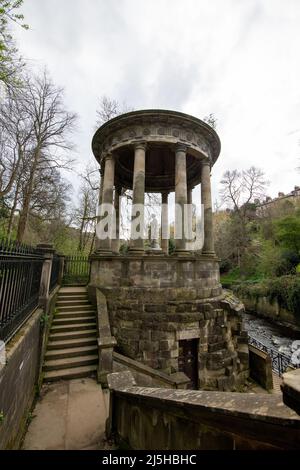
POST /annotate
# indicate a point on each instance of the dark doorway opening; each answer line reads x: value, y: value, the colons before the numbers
x: 188, y: 360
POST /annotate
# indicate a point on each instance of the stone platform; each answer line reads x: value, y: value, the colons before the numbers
x: 157, y: 304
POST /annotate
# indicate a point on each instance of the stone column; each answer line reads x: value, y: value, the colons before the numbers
x: 208, y: 246
x: 180, y: 196
x: 164, y: 223
x: 48, y: 251
x: 107, y: 199
x: 101, y: 172
x: 138, y: 197
x: 115, y: 243
x: 189, y: 222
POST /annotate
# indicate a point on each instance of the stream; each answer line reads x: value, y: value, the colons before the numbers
x: 273, y: 336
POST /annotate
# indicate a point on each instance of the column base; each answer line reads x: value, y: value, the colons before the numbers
x: 136, y: 251
x: 182, y: 253
x: 208, y: 253
x: 104, y: 251
x: 154, y: 251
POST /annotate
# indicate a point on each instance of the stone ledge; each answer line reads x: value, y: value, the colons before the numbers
x: 291, y: 389
x: 259, y: 421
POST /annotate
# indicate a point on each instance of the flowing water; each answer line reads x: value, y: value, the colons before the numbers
x: 276, y: 337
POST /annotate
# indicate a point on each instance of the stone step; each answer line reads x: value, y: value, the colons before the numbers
x: 79, y: 313
x: 72, y: 343
x: 71, y: 308
x: 64, y: 352
x: 72, y: 303
x: 73, y: 327
x: 70, y: 362
x: 73, y: 335
x: 72, y: 373
x: 72, y: 293
x: 71, y: 320
x: 74, y: 296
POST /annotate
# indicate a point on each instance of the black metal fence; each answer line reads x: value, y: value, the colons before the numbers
x: 76, y: 270
x: 20, y: 275
x: 280, y: 362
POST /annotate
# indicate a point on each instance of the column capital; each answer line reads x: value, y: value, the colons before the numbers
x: 206, y: 163
x: 180, y: 147
x: 108, y: 156
x: 140, y: 145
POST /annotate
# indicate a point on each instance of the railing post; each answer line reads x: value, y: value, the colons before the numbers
x: 48, y: 251
x: 61, y: 269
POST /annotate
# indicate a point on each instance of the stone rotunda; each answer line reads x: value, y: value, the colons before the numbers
x: 166, y: 311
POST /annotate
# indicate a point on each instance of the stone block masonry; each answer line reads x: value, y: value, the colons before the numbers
x: 150, y: 322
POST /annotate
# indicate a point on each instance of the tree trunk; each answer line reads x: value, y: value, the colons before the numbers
x: 13, y: 209
x: 27, y: 197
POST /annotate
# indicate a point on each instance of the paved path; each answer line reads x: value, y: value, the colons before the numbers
x: 69, y: 415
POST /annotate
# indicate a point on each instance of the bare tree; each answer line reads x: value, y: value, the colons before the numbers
x: 85, y: 215
x: 52, y: 124
x: 110, y: 108
x: 239, y: 190
x: 16, y: 133
x: 211, y: 120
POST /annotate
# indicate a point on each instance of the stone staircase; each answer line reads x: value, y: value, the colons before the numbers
x: 72, y: 346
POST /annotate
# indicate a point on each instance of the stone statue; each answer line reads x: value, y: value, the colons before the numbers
x: 154, y: 233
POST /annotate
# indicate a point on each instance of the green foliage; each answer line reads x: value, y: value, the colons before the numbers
x: 285, y: 290
x: 124, y: 248
x: 287, y: 231
x: 171, y: 246
x: 2, y: 416
x: 9, y: 62
x: 44, y: 319
x: 30, y: 417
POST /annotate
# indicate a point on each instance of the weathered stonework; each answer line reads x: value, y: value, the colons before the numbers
x: 168, y: 312
x: 154, y: 302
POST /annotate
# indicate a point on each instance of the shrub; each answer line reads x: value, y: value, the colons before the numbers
x: 285, y: 290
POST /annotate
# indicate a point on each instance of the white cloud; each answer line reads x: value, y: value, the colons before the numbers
x: 237, y: 59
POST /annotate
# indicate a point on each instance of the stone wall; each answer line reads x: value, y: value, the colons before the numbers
x: 19, y: 377
x: 162, y: 419
x: 199, y: 273
x: 17, y: 381
x: 272, y: 310
x: 260, y: 367
x: 154, y: 302
x: 148, y: 326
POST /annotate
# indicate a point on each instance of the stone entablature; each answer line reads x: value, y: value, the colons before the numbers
x: 157, y: 126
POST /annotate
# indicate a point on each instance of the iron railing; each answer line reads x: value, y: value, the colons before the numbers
x: 54, y: 272
x: 76, y: 270
x: 20, y: 275
x: 280, y: 362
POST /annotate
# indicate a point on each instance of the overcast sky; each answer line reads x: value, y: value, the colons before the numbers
x: 238, y: 59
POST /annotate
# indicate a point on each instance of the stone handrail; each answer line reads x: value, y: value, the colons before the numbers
x: 106, y: 342
x: 147, y: 375
x: 159, y: 418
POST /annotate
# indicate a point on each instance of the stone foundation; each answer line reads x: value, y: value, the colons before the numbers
x: 156, y: 301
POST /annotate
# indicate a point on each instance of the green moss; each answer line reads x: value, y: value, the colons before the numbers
x: 285, y: 290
